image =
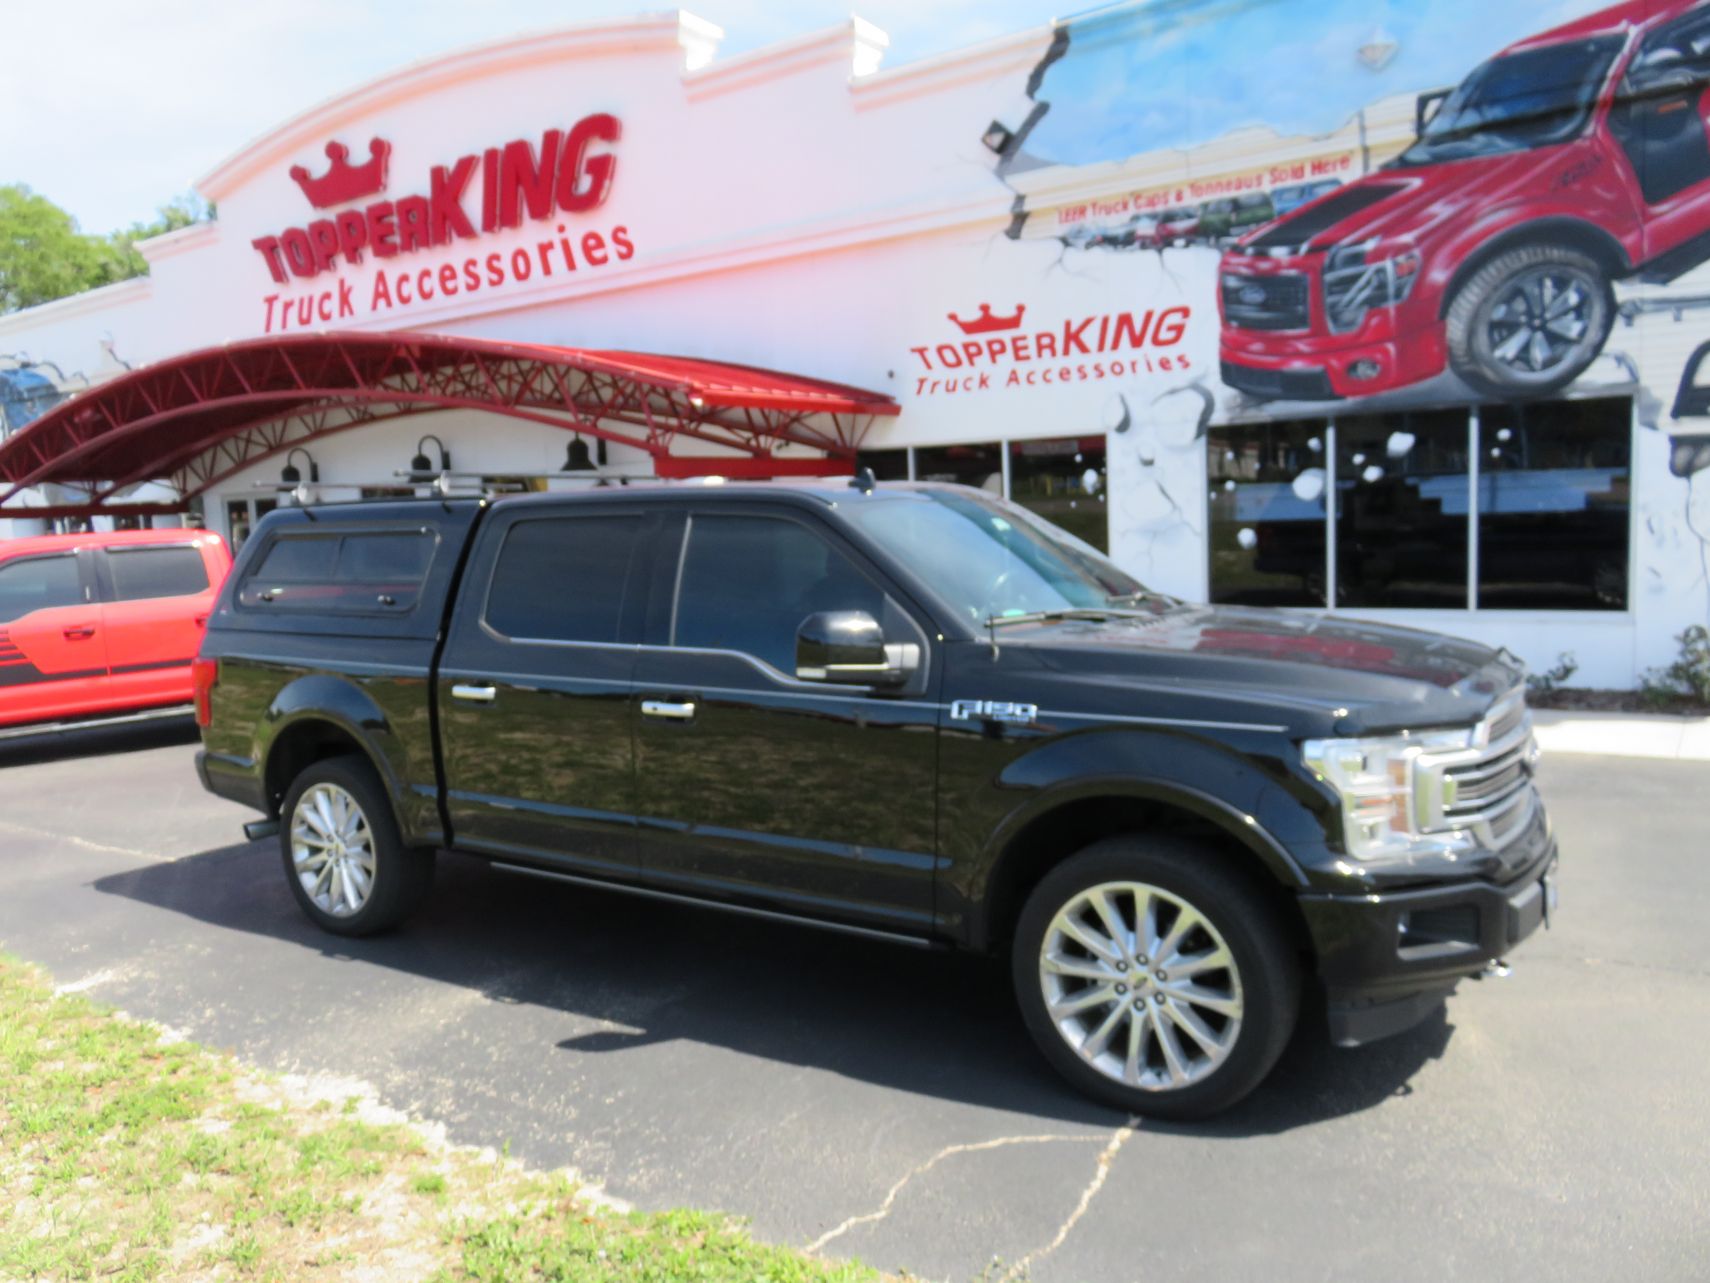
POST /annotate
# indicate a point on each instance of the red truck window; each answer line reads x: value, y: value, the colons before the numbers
x: 142, y: 573
x: 38, y: 583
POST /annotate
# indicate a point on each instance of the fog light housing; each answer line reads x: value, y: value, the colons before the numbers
x: 1364, y: 369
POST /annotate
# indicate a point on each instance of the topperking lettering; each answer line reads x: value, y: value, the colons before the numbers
x: 569, y: 172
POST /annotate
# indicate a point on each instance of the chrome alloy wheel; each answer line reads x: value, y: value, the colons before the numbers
x: 332, y: 850
x: 1541, y: 319
x: 1141, y: 986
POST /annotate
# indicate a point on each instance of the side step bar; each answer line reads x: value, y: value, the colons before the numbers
x: 122, y: 719
x: 773, y: 915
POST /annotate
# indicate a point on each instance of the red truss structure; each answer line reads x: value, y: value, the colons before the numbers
x: 195, y: 420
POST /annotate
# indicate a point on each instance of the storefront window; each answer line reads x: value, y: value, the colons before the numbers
x: 980, y: 466
x: 1062, y: 479
x: 1401, y: 509
x: 887, y: 465
x: 1267, y: 513
x: 1553, y: 505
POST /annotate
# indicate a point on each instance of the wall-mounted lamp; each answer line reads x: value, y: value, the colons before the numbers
x: 421, y: 469
x: 291, y: 475
x: 578, y: 458
x: 998, y: 137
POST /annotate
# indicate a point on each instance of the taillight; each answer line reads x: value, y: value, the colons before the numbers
x: 204, y: 676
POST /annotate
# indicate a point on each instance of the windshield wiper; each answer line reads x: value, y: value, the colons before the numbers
x: 1094, y: 613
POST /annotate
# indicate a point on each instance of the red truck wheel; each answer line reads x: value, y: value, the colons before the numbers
x: 1529, y: 321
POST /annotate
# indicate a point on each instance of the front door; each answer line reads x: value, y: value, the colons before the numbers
x: 1662, y: 122
x: 755, y: 786
x: 53, y: 656
x: 535, y: 687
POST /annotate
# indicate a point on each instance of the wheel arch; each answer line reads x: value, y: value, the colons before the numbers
x: 317, y: 717
x: 1571, y: 233
x: 1065, y: 821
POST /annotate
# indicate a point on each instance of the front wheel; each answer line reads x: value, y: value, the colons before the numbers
x: 1154, y: 978
x: 345, y: 861
x: 1529, y: 321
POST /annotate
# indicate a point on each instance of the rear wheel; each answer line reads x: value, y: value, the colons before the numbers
x: 1529, y: 321
x: 346, y: 863
x: 1154, y: 978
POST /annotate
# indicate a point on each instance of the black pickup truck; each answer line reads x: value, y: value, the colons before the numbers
x: 910, y: 711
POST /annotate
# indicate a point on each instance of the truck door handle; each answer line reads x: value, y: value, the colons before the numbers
x: 82, y: 632
x: 475, y: 694
x: 684, y: 712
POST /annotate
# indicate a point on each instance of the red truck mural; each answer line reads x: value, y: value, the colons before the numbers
x: 1571, y: 160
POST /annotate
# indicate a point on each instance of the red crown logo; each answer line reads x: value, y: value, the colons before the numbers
x: 986, y: 323
x: 344, y: 181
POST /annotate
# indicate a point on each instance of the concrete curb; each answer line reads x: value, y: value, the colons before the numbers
x: 1682, y: 739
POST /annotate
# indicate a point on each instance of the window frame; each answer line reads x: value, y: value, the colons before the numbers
x: 86, y: 581
x: 636, y: 573
x: 1471, y: 609
x: 662, y: 621
x: 108, y: 586
x: 254, y: 563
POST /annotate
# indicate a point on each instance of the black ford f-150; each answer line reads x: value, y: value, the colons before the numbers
x: 913, y: 711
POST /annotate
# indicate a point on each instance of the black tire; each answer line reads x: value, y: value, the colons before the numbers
x: 402, y: 876
x: 1485, y: 313
x: 1267, y: 976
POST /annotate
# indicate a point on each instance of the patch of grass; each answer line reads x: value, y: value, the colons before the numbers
x: 127, y: 1158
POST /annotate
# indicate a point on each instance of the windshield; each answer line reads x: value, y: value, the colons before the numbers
x: 989, y: 559
x: 1516, y: 102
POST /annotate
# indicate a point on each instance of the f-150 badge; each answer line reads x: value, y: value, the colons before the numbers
x: 988, y: 710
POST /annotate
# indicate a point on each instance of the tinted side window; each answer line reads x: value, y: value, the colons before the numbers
x: 563, y: 578
x: 748, y: 582
x: 37, y: 583
x: 298, y: 559
x: 365, y: 571
x: 139, y: 573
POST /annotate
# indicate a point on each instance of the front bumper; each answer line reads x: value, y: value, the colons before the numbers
x: 1387, y: 958
x: 1313, y: 368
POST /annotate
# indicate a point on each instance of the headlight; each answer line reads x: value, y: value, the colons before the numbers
x: 1384, y: 791
x: 1358, y: 278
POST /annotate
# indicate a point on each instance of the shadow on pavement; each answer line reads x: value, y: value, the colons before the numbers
x: 928, y: 1023
x: 97, y: 741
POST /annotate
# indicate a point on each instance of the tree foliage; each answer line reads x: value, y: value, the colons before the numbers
x: 43, y: 255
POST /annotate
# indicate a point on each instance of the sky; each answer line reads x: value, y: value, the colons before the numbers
x: 110, y: 108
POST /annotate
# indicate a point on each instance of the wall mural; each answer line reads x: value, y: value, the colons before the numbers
x: 1316, y: 207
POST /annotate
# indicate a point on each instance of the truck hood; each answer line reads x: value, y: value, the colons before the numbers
x: 1410, y: 202
x: 1319, y: 674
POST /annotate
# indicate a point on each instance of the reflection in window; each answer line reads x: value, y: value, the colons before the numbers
x: 1553, y: 505
x: 1062, y: 479
x: 1267, y: 513
x: 980, y: 466
x: 887, y: 465
x: 1401, y: 509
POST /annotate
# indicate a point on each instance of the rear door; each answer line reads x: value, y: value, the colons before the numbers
x: 156, y: 602
x: 535, y: 686
x: 756, y: 786
x: 53, y: 660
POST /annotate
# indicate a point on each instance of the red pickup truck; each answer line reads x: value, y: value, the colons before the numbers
x: 1568, y: 161
x: 97, y: 625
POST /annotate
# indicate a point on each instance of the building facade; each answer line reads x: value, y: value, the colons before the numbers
x: 1277, y: 305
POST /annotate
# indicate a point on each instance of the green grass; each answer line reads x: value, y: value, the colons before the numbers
x: 126, y: 1158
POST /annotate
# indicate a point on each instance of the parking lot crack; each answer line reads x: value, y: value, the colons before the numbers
x: 949, y: 1151
x: 1106, y: 1157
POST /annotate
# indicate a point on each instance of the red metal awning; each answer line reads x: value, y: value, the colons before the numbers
x: 195, y: 420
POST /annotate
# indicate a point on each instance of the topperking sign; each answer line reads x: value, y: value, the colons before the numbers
x: 569, y: 173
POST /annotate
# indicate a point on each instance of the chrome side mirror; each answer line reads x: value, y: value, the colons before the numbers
x: 847, y: 647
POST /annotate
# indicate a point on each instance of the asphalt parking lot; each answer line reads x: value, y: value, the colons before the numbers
x: 882, y: 1103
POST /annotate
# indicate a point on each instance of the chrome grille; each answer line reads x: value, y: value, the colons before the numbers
x: 1488, y: 787
x: 1277, y: 302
